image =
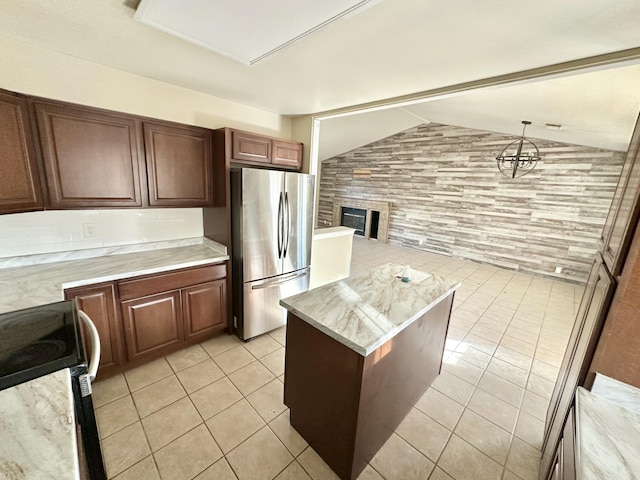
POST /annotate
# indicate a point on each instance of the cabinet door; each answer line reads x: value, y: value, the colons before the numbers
x: 204, y: 308
x: 92, y: 158
x: 577, y: 358
x: 20, y: 181
x: 179, y: 165
x: 569, y: 447
x: 623, y: 214
x: 99, y: 302
x: 246, y: 147
x: 287, y: 154
x: 152, y: 325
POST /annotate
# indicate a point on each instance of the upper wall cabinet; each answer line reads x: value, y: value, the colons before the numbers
x: 20, y: 188
x: 623, y: 215
x: 257, y: 149
x: 92, y: 158
x: 287, y: 154
x: 179, y: 165
x: 247, y: 147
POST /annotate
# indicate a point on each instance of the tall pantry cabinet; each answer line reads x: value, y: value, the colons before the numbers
x: 606, y: 333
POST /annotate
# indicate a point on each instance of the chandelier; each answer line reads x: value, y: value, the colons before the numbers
x: 519, y: 157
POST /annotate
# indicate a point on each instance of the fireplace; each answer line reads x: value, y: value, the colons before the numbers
x: 354, y: 218
x: 370, y: 218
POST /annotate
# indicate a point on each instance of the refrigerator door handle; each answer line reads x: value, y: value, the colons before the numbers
x: 280, y: 225
x: 280, y: 280
x: 286, y: 225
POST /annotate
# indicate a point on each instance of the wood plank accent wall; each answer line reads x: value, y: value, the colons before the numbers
x: 449, y: 197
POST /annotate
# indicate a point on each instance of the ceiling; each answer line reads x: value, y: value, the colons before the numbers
x: 386, y: 49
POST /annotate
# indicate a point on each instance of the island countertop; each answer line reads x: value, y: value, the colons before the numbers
x: 364, y: 311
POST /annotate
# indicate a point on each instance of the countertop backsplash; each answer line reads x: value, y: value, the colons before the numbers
x: 52, y: 231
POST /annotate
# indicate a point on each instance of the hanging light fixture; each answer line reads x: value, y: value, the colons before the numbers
x: 519, y: 157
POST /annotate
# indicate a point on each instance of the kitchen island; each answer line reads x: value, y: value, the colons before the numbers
x: 360, y: 353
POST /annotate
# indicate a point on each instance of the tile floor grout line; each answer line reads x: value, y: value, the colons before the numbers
x: 484, y: 294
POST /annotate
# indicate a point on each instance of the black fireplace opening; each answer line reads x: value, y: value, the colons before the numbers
x: 375, y: 220
x: 354, y: 218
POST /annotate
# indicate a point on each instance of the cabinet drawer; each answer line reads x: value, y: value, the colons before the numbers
x: 141, y: 287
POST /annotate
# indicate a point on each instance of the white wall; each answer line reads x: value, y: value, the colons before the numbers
x: 63, y: 230
x: 36, y: 71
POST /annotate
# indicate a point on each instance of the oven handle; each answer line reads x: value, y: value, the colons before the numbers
x: 95, y: 345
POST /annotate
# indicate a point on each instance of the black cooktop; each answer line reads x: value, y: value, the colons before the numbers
x: 38, y: 341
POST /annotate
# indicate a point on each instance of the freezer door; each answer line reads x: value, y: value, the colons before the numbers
x: 298, y: 220
x: 262, y: 311
x: 262, y: 223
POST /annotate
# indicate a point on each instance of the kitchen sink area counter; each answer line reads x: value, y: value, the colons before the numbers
x: 42, y: 283
x: 364, y: 311
x: 359, y: 354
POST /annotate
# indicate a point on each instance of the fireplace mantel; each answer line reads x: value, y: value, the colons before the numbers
x: 370, y: 206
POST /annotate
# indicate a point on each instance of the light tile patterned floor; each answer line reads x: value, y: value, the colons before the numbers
x: 214, y: 411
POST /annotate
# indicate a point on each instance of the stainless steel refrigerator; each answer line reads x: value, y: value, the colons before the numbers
x: 272, y: 227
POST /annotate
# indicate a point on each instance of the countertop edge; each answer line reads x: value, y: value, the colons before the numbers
x: 364, y: 351
x: 319, y: 234
x: 140, y: 273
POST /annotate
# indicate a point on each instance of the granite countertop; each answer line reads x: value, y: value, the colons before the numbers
x: 39, y: 284
x: 608, y: 434
x: 364, y: 311
x: 37, y: 429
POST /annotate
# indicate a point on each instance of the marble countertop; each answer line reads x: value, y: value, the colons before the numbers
x: 37, y: 429
x: 32, y: 285
x: 607, y: 436
x: 364, y: 311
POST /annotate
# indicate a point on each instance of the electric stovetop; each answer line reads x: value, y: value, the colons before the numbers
x: 38, y: 341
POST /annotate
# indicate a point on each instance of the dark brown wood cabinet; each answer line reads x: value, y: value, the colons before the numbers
x: 287, y: 154
x: 179, y: 165
x: 99, y: 302
x: 248, y: 147
x: 165, y: 312
x: 95, y: 158
x: 204, y: 309
x: 152, y: 325
x: 92, y: 158
x: 254, y: 149
x: 20, y: 188
x: 143, y: 318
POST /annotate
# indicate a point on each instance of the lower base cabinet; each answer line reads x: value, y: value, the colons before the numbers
x: 148, y: 317
x: 152, y: 324
x: 100, y: 303
x: 204, y: 309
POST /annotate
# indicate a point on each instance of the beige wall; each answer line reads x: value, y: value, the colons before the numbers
x: 36, y: 71
x: 33, y: 70
x: 301, y: 128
